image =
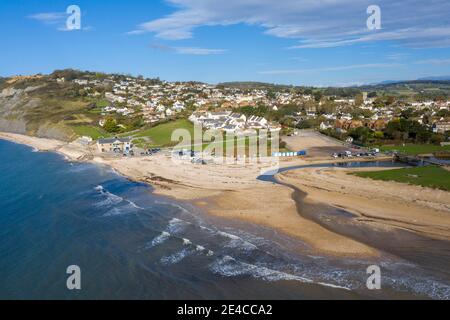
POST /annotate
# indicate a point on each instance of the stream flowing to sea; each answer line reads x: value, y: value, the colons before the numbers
x: 132, y: 244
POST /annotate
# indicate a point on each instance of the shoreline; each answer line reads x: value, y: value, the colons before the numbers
x: 231, y: 192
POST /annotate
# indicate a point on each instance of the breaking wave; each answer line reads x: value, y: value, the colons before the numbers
x: 176, y: 225
x: 177, y: 257
x: 158, y: 240
x: 230, y: 267
x: 110, y: 198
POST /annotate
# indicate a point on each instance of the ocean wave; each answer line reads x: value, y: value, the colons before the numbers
x: 200, y: 248
x: 429, y: 287
x: 158, y: 240
x: 237, y: 242
x: 134, y: 205
x: 113, y: 212
x: 176, y: 225
x: 176, y: 257
x: 229, y: 267
x: 110, y: 198
x: 228, y: 235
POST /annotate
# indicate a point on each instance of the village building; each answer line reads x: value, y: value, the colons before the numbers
x: 117, y: 145
x: 441, y: 126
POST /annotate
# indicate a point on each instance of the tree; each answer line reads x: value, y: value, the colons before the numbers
x: 378, y: 135
x: 361, y: 134
x: 443, y: 113
x: 359, y: 100
x: 111, y: 125
x: 317, y: 96
x: 406, y: 114
x: 390, y: 100
x: 328, y: 106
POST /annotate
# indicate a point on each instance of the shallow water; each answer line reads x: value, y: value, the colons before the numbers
x: 132, y: 244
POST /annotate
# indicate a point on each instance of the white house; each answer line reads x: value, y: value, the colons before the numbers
x: 169, y: 112
x: 160, y: 108
x: 256, y: 122
x: 178, y: 106
x: 324, y: 126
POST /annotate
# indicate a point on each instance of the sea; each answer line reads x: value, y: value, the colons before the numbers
x: 129, y: 243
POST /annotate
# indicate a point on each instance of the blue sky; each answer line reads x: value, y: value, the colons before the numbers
x: 301, y: 42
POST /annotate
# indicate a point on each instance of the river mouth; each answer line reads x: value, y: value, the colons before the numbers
x: 429, y: 254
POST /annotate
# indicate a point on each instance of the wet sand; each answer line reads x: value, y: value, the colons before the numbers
x: 377, y: 214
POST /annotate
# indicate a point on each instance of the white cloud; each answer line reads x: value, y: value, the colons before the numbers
x: 439, y: 62
x: 199, y: 51
x: 397, y: 56
x: 189, y: 50
x: 49, y: 17
x: 315, y: 23
x: 331, y: 69
x: 57, y: 19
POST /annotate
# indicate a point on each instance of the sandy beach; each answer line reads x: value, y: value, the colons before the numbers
x: 233, y: 191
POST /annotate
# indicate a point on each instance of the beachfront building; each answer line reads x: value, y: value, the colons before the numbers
x: 117, y: 145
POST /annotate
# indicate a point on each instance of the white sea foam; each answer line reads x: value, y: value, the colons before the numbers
x: 199, y: 248
x: 110, y: 198
x: 134, y: 205
x: 228, y: 235
x: 113, y: 212
x: 230, y: 267
x: 176, y: 257
x: 237, y: 242
x: 176, y: 225
x: 158, y: 240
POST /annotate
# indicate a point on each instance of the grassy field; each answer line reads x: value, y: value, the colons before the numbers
x: 90, y: 131
x: 161, y: 135
x: 102, y: 103
x: 428, y: 176
x: 414, y: 149
x: 255, y: 148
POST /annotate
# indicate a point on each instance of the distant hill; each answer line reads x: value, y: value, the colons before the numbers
x: 440, y: 78
x: 424, y: 88
x: 432, y: 78
x: 248, y: 85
